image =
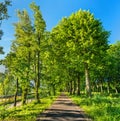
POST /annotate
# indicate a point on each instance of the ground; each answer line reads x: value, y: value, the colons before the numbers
x: 63, y: 109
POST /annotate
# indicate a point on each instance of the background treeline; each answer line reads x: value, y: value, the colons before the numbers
x: 74, y: 56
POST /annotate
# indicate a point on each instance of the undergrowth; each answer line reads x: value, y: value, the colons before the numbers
x: 100, y: 107
x: 27, y: 112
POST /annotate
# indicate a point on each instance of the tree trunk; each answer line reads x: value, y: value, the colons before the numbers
x: 74, y: 87
x: 87, y: 78
x: 24, y: 96
x: 78, y: 91
x: 54, y: 90
x: 38, y: 74
x: 101, y: 85
x: 108, y: 87
x: 71, y: 88
x: 116, y: 91
x: 37, y: 92
x: 68, y: 87
x: 15, y: 97
x: 36, y: 77
x: 101, y: 88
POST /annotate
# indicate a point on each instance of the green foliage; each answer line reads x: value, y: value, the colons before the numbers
x: 100, y: 107
x: 78, y: 42
x: 47, y: 62
x: 3, y: 112
x: 113, y: 66
x: 3, y: 15
x: 3, y: 9
x: 39, y: 27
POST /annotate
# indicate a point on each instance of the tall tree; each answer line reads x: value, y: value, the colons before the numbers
x: 22, y: 47
x: 39, y: 28
x: 85, y: 40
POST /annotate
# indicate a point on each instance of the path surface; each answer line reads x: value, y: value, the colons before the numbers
x: 63, y: 109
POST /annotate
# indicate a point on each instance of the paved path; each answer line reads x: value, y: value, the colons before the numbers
x: 63, y: 109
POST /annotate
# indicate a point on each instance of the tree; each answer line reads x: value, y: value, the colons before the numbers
x: 113, y: 66
x: 3, y: 15
x: 81, y: 38
x: 11, y: 74
x: 39, y: 28
x: 22, y: 47
x: 26, y: 48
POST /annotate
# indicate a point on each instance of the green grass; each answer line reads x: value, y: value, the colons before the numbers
x: 28, y: 112
x: 100, y: 107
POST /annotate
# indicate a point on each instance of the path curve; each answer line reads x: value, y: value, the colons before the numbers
x: 63, y: 109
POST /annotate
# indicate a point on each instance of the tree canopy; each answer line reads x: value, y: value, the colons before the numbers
x: 74, y: 56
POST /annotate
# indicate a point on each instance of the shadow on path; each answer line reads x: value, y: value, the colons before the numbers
x: 63, y: 110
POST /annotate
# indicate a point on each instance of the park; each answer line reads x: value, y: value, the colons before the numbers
x: 70, y: 73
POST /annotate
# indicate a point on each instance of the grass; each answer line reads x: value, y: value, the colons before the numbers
x: 27, y: 112
x: 100, y: 107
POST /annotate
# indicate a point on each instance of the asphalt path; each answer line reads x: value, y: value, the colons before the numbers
x: 63, y: 109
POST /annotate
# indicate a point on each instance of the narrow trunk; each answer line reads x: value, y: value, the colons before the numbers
x: 71, y: 88
x: 38, y: 75
x: 101, y: 86
x: 37, y: 93
x: 78, y: 92
x: 49, y: 90
x: 108, y: 87
x: 87, y: 78
x: 68, y: 87
x: 116, y: 91
x: 54, y: 90
x: 35, y: 72
x: 16, y: 92
x: 74, y: 87
x: 24, y: 96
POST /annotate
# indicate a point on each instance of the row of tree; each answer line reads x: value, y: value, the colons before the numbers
x: 73, y: 57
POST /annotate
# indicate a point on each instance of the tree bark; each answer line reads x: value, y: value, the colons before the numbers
x: 116, y: 91
x: 68, y: 87
x: 15, y: 97
x: 71, y: 88
x: 78, y: 92
x: 108, y: 87
x: 87, y: 78
x: 38, y: 74
x: 54, y: 90
x: 101, y: 85
x: 24, y: 96
x: 101, y: 88
x: 74, y: 87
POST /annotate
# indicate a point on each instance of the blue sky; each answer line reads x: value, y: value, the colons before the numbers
x: 54, y: 10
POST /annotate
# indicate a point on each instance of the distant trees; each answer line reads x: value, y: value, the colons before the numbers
x: 113, y: 67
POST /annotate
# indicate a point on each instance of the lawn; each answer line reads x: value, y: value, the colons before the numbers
x: 27, y: 112
x: 100, y: 107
